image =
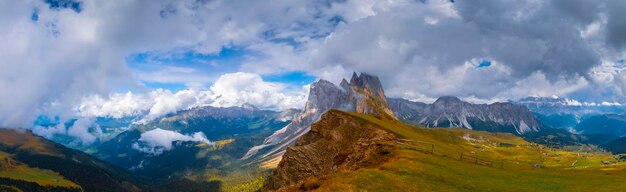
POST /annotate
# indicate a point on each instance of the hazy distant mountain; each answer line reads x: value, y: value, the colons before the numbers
x: 218, y: 122
x: 557, y: 105
x: 363, y: 94
x: 452, y: 112
x: 230, y: 132
x: 601, y: 121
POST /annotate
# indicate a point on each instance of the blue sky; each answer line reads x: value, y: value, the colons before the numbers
x: 187, y: 65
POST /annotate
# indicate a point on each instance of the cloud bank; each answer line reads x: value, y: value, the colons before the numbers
x: 157, y: 141
x: 55, y: 58
x: 427, y: 49
x: 229, y: 90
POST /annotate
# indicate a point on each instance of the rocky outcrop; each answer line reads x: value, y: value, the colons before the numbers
x: 452, y: 112
x: 363, y: 94
x: 337, y: 142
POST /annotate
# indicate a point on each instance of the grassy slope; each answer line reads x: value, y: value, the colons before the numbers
x: 414, y: 169
x: 42, y: 177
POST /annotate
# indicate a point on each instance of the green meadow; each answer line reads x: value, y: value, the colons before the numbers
x: 506, y: 163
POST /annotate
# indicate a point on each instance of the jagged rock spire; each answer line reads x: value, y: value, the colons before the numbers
x: 363, y: 94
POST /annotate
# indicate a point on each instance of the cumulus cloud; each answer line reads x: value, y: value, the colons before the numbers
x: 233, y: 89
x: 51, y: 57
x: 158, y: 140
x: 238, y: 88
x: 421, y: 49
x: 50, y: 131
x: 82, y: 129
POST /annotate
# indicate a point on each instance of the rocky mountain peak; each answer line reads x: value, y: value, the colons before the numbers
x: 324, y: 95
x: 363, y: 94
x: 249, y: 106
x: 345, y: 85
x: 368, y: 82
x: 448, y: 99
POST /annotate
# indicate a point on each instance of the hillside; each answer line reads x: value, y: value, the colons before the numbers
x: 616, y: 146
x: 613, y: 125
x: 28, y: 159
x: 440, y: 159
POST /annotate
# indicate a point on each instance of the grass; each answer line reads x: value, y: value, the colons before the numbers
x: 245, y: 179
x: 416, y: 169
x: 25, y: 140
x: 44, y: 177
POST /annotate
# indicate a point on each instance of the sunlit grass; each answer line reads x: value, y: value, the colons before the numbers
x: 14, y: 170
x: 416, y: 169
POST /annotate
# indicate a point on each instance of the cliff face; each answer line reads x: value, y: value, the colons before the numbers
x: 337, y: 142
x: 363, y: 94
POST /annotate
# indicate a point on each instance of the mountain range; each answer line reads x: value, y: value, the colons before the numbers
x: 229, y: 133
x: 341, y: 128
x: 452, y: 112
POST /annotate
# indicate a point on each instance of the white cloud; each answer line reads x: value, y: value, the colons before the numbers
x: 236, y: 89
x: 50, y: 131
x: 537, y: 84
x: 179, y: 75
x: 420, y: 50
x: 157, y: 141
x: 81, y: 130
x: 64, y: 55
x: 233, y: 89
x: 117, y: 105
x: 84, y: 130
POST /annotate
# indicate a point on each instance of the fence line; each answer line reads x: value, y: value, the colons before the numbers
x: 462, y: 156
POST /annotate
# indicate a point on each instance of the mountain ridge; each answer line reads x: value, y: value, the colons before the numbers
x: 364, y: 94
x: 448, y: 111
x: 88, y: 172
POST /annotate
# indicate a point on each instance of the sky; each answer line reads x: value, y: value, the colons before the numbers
x: 71, y: 59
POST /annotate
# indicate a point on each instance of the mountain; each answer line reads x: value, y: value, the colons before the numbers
x: 599, y: 123
x: 347, y: 151
x: 193, y: 162
x: 217, y: 122
x: 33, y: 159
x: 603, y: 128
x: 566, y: 121
x: 567, y: 113
x: 337, y: 142
x: 558, y: 105
x: 616, y: 146
x: 452, y: 112
x: 363, y: 94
